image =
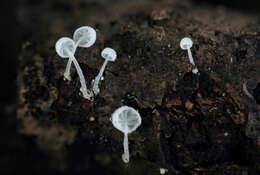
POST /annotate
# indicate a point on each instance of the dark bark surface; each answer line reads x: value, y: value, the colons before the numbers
x: 191, y: 124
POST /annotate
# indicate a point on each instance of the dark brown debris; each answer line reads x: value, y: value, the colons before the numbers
x: 190, y: 124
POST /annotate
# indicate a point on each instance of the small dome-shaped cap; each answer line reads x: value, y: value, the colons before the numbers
x: 186, y: 43
x: 86, y: 34
x: 63, y: 43
x: 126, y: 119
x: 109, y: 53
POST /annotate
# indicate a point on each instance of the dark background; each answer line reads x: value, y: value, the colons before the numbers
x: 16, y: 148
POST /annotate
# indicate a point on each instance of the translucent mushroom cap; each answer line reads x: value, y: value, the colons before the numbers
x: 186, y: 43
x: 109, y: 54
x: 126, y: 119
x: 63, y: 43
x: 88, y: 34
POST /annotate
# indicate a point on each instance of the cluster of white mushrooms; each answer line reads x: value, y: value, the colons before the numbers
x: 83, y: 37
x: 125, y: 119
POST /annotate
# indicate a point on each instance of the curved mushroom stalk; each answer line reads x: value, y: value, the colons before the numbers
x: 67, y: 71
x: 246, y: 91
x: 84, y: 90
x: 65, y: 47
x: 95, y: 82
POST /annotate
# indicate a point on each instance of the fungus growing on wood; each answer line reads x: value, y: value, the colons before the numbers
x: 186, y: 44
x: 65, y: 48
x: 126, y: 119
x: 83, y: 37
x: 109, y: 55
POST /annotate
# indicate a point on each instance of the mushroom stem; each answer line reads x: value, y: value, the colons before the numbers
x: 125, y: 156
x: 86, y: 94
x: 195, y: 69
x: 95, y: 87
x: 67, y: 71
x: 78, y: 42
x: 190, y: 57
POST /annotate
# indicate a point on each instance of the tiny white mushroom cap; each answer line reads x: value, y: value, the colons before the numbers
x: 109, y: 54
x: 186, y: 43
x: 63, y: 43
x: 126, y: 116
x: 88, y: 34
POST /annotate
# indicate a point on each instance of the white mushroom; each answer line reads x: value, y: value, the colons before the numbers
x: 65, y: 48
x: 126, y: 119
x: 109, y: 55
x: 186, y: 44
x: 83, y: 37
